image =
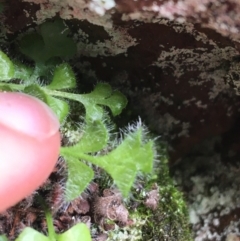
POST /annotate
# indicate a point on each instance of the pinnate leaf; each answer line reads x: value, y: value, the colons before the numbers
x: 124, y: 162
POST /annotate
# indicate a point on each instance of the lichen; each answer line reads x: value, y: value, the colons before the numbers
x: 78, y: 9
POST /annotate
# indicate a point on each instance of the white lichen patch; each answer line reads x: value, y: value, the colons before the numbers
x: 101, y: 6
x: 219, y: 84
x: 189, y: 102
x: 181, y: 61
x: 86, y: 69
x: 132, y: 232
x: 185, y: 129
x: 200, y: 105
x: 118, y: 42
x: 167, y: 123
x: 157, y: 98
x: 214, y: 193
x: 186, y: 60
x: 75, y: 9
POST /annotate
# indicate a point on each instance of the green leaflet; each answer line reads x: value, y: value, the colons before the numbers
x: 79, y: 176
x: 63, y: 78
x: 36, y: 91
x: 94, y: 101
x: 22, y: 72
x: 32, y: 45
x: 30, y: 234
x: 5, y: 88
x: 51, y: 41
x: 55, y: 36
x: 3, y: 238
x: 6, y: 67
x: 95, y: 138
x: 104, y: 95
x: 79, y: 232
x: 60, y: 107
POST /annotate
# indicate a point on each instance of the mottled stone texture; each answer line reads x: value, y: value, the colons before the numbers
x: 171, y: 58
x: 222, y: 16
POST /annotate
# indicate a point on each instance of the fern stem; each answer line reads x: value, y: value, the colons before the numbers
x: 51, y: 232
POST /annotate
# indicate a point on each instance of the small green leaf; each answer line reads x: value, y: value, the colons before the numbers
x: 6, y: 67
x: 63, y: 78
x: 30, y: 234
x: 45, y: 69
x: 79, y: 232
x: 52, y: 41
x: 101, y: 91
x: 55, y: 35
x: 79, y: 177
x: 32, y: 45
x: 3, y: 238
x: 95, y: 138
x: 36, y: 91
x: 22, y: 72
x: 5, y: 88
x: 103, y: 95
x: 116, y: 102
x: 93, y: 111
x: 60, y: 107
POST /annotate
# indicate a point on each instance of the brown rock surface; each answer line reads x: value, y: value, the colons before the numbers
x: 174, y: 60
x: 171, y: 58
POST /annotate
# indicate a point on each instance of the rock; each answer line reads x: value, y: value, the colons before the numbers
x: 172, y: 59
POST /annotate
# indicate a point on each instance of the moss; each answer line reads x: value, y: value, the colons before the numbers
x: 168, y: 221
x: 133, y: 232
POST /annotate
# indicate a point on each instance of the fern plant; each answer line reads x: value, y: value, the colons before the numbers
x: 134, y: 154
